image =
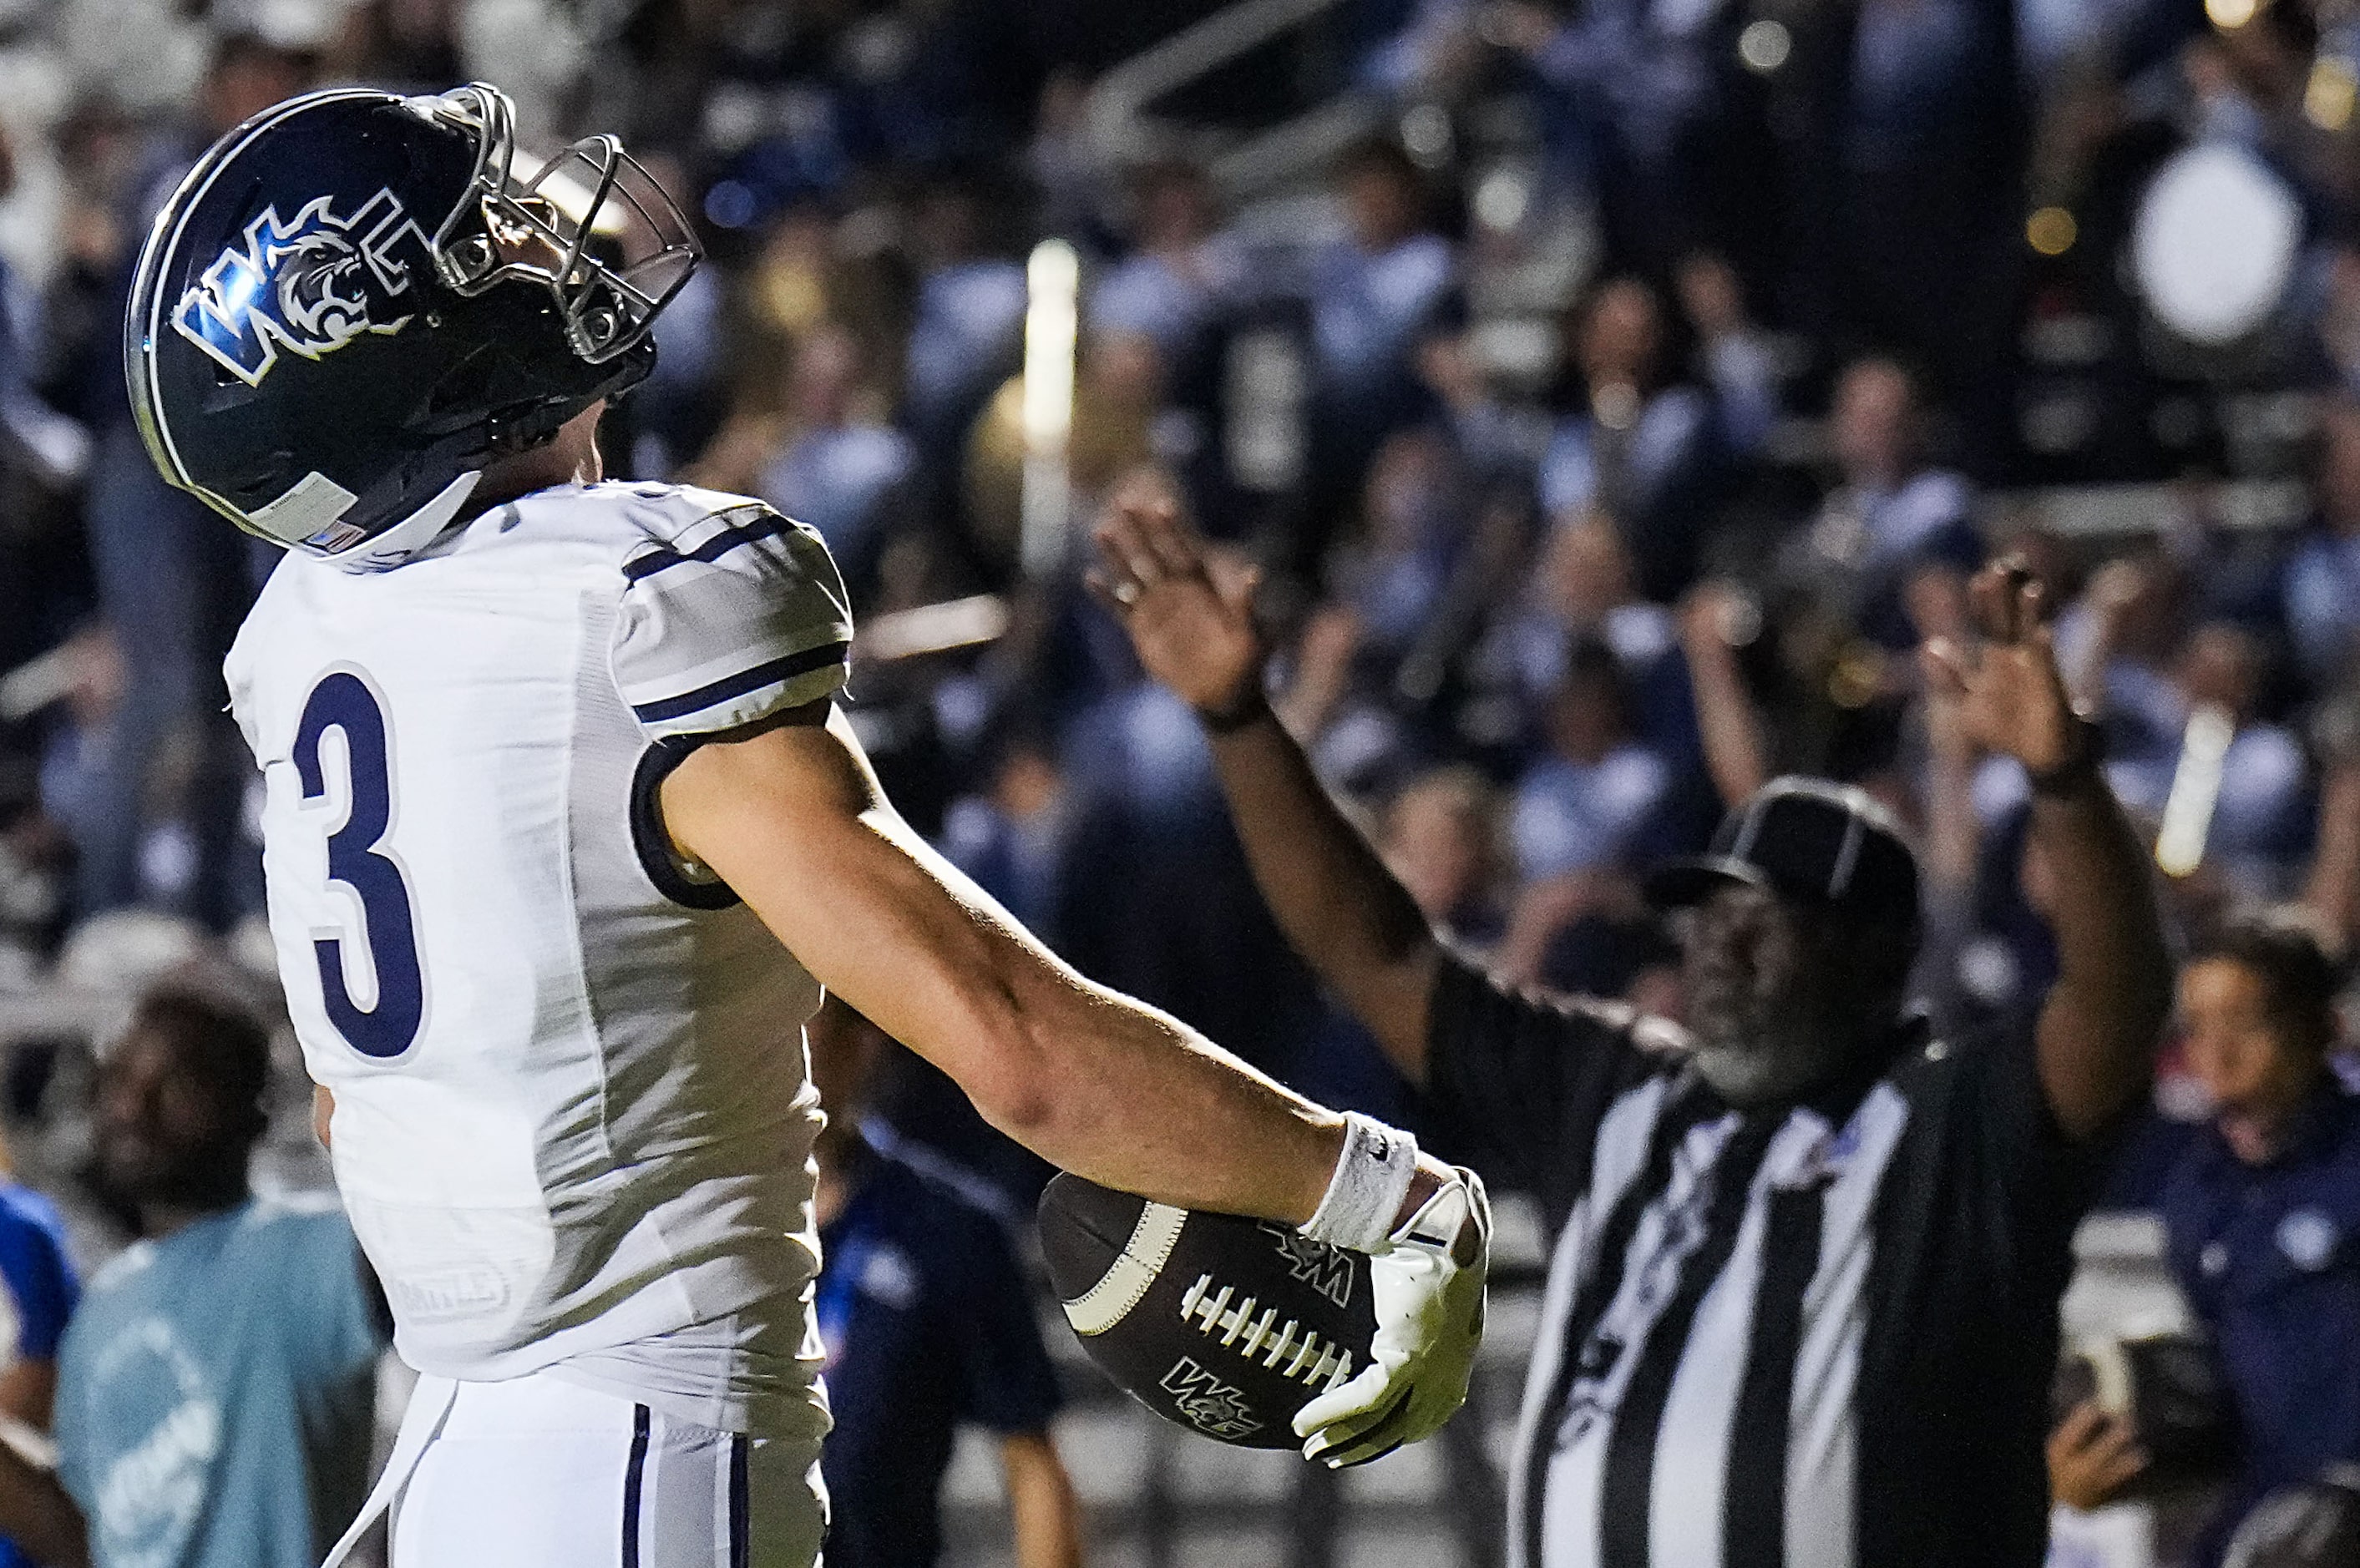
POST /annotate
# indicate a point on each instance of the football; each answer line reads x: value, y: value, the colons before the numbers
x: 1224, y: 1325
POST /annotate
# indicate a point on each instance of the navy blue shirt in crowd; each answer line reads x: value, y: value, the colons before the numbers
x: 2269, y: 1258
x: 929, y: 1324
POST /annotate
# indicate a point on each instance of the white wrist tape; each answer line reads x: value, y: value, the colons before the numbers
x: 1372, y: 1178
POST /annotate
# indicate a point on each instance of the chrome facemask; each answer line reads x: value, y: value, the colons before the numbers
x: 591, y: 226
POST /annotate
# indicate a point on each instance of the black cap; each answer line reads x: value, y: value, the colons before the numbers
x: 1830, y: 845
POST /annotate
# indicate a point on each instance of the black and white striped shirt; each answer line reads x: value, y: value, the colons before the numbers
x: 1815, y: 1336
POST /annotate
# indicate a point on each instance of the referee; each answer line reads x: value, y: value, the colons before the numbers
x: 1802, y: 1306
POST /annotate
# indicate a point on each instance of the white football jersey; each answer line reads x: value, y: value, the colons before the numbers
x: 574, y: 1117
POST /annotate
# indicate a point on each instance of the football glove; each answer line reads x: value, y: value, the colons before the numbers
x: 1427, y: 1290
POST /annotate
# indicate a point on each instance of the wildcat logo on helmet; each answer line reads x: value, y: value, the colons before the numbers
x: 310, y: 285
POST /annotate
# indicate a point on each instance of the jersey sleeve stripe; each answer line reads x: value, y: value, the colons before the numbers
x: 777, y: 670
x: 663, y: 558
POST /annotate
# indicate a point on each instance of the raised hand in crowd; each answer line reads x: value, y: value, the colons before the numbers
x: 1323, y: 663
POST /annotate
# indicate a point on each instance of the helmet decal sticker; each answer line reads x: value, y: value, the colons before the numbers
x: 310, y: 285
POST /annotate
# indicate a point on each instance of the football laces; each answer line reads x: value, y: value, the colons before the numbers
x: 1317, y: 1363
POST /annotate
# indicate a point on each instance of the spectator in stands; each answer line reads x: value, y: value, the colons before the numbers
x: 836, y: 466
x: 1590, y: 802
x: 403, y: 46
x: 1342, y: 702
x: 1179, y: 275
x: 1395, y: 565
x: 1924, y: 204
x: 1015, y: 838
x: 1895, y: 527
x: 968, y: 318
x: 2261, y: 819
x: 1432, y: 54
x: 1377, y: 292
x: 1585, y: 588
x: 1635, y: 446
x: 2322, y: 577
x: 2263, y: 1212
x: 2119, y: 643
x: 216, y: 1389
x: 173, y: 586
x: 928, y: 1322
x: 1646, y: 84
x: 1441, y: 835
x: 1498, y: 436
x: 1734, y: 356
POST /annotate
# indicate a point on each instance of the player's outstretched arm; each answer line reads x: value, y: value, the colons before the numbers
x: 1348, y: 917
x: 790, y: 814
x: 793, y: 819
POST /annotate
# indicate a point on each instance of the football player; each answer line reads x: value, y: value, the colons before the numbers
x: 562, y: 823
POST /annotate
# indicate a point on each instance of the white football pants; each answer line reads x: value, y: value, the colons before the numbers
x: 535, y: 1473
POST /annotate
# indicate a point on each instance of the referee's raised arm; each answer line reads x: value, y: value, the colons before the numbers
x: 2098, y: 1030
x: 1343, y: 912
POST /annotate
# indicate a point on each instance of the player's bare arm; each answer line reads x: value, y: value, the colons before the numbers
x: 792, y: 818
x: 1340, y: 908
x: 791, y: 815
x: 2098, y: 1032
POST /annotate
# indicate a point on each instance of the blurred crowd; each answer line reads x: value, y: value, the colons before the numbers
x: 1609, y: 416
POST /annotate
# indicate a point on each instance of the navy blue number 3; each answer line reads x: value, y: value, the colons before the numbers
x: 343, y: 701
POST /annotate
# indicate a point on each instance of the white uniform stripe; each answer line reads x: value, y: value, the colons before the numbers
x: 1692, y: 1445
x: 1565, y: 1276
x: 1823, y: 1447
x: 756, y: 643
x: 1622, y: 1149
x: 1671, y: 1228
x: 1621, y: 1157
x: 719, y: 1516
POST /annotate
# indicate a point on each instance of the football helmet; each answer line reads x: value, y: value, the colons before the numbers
x: 356, y: 301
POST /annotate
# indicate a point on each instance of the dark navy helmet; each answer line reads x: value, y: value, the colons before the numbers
x: 356, y: 301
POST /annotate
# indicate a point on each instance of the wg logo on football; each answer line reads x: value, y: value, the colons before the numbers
x: 309, y: 284
x: 1217, y: 1408
x: 1327, y: 1270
